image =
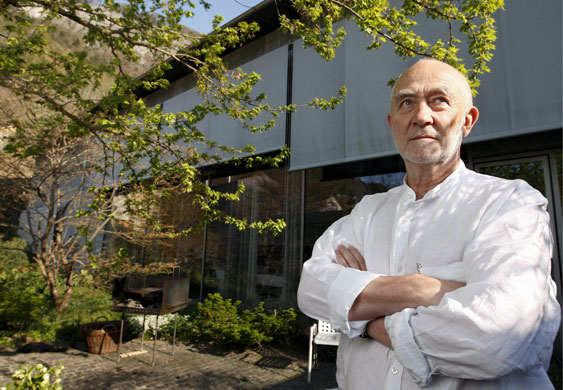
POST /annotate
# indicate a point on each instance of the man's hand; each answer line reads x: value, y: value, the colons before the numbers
x: 350, y: 257
x: 376, y: 330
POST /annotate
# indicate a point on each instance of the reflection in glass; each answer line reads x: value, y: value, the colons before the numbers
x: 327, y: 201
x: 241, y: 265
x: 177, y: 213
x: 530, y: 171
x: 249, y: 266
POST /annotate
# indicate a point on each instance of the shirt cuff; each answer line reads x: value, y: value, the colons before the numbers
x: 406, y: 350
x: 342, y: 294
x: 357, y: 328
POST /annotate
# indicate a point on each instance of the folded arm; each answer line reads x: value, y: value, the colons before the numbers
x: 390, y: 294
x: 335, y: 285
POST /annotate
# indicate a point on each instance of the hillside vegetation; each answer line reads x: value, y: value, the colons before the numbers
x: 67, y: 37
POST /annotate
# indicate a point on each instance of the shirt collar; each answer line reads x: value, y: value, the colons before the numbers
x: 450, y: 182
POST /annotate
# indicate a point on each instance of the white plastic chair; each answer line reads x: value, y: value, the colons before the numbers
x: 320, y: 334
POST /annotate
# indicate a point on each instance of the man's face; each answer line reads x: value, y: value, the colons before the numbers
x: 428, y: 114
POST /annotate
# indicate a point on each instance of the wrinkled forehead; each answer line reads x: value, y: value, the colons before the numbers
x: 419, y: 81
x: 419, y: 89
x: 431, y: 77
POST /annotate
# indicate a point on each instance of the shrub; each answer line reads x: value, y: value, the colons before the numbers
x: 36, y: 377
x: 26, y: 310
x: 187, y: 328
x: 221, y: 322
x: 44, y: 323
x: 13, y: 254
x: 23, y: 298
x: 225, y: 324
x: 278, y: 325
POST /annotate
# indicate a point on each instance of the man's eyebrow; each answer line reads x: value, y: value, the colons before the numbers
x: 440, y: 91
x: 403, y: 93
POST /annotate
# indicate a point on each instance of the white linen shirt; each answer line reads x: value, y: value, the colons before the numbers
x: 495, y: 333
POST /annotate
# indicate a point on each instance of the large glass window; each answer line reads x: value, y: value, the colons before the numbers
x: 247, y: 265
x: 241, y: 265
x: 177, y: 213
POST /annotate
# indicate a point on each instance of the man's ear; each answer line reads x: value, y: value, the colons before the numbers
x: 389, y: 120
x: 470, y: 120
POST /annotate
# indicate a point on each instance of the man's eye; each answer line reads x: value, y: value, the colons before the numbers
x: 440, y: 100
x: 406, y: 102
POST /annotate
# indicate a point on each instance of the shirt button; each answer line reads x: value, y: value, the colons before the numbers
x: 409, y: 194
x: 403, y: 220
x: 394, y: 371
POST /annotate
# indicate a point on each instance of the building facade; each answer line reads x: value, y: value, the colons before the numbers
x: 339, y: 156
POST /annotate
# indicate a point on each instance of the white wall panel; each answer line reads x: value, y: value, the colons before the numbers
x: 521, y: 95
x: 227, y: 131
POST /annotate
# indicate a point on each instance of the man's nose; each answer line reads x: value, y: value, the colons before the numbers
x: 423, y: 114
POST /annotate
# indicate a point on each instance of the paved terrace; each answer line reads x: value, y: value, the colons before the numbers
x: 188, y: 368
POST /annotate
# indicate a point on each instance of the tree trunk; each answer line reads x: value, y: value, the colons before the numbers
x: 51, y: 281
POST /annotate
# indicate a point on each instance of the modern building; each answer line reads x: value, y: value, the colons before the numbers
x: 339, y: 156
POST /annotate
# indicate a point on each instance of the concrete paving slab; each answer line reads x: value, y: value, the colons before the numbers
x: 190, y: 367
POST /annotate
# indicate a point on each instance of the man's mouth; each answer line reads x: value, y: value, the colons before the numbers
x: 423, y: 136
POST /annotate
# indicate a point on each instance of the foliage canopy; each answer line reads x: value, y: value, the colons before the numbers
x: 59, y: 104
x: 385, y: 22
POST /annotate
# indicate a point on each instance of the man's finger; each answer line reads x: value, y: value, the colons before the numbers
x: 359, y: 258
x: 340, y: 258
x: 350, y: 257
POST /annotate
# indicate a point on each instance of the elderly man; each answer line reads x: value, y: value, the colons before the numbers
x: 445, y: 279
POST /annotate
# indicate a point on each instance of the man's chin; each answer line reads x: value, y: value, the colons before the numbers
x: 423, y: 159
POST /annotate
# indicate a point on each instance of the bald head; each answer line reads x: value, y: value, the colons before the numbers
x: 431, y: 112
x: 430, y: 66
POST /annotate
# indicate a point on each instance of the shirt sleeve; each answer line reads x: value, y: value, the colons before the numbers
x: 327, y: 290
x: 505, y: 319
